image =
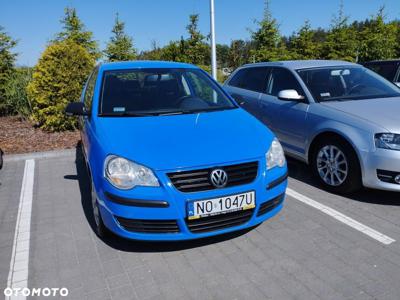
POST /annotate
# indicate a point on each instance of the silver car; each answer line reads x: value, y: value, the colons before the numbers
x: 339, y: 117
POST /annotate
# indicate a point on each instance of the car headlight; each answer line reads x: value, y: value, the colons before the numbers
x: 275, y: 156
x: 387, y: 141
x: 125, y: 174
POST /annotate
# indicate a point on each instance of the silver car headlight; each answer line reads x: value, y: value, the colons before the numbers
x: 275, y: 156
x: 387, y: 141
x: 125, y: 174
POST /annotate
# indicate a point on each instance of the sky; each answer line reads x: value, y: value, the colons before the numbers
x: 34, y: 22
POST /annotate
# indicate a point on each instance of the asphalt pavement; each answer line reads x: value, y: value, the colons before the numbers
x: 320, y: 246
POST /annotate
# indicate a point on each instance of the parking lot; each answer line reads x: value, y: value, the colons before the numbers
x: 320, y: 246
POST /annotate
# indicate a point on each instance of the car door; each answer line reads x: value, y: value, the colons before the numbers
x: 286, y: 118
x: 87, y: 123
x: 245, y: 87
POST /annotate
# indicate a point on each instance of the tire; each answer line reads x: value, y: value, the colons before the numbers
x: 99, y: 227
x: 335, y: 164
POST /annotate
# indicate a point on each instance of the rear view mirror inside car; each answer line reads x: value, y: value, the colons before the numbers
x: 340, y: 72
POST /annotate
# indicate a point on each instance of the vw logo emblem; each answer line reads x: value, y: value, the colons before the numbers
x: 219, y: 178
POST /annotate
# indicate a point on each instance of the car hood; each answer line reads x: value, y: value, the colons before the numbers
x: 384, y: 112
x: 188, y: 140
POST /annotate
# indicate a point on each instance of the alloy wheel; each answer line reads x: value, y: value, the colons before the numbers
x: 332, y: 165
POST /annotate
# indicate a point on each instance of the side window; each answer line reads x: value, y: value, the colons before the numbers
x: 253, y: 79
x: 387, y: 70
x: 88, y: 98
x: 283, y: 79
x: 237, y: 78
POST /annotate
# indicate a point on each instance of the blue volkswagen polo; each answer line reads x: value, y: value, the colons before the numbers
x: 172, y: 157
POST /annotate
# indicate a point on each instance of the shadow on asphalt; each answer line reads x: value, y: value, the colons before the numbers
x: 301, y: 172
x: 126, y: 245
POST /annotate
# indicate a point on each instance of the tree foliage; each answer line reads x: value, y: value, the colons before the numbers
x: 58, y: 79
x: 239, y: 53
x: 7, y: 60
x: 120, y: 47
x: 377, y: 39
x: 74, y: 30
x: 195, y: 48
x: 341, y: 40
x: 16, y: 97
x: 268, y: 43
x: 303, y: 44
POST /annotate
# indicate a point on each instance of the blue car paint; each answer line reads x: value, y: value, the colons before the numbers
x: 172, y: 143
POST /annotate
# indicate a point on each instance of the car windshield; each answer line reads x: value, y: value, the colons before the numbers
x: 346, y: 83
x: 141, y: 92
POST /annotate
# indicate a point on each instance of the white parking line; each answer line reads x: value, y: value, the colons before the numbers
x: 18, y: 274
x: 384, y: 239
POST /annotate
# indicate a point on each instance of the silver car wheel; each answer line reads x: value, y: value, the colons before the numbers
x: 332, y: 165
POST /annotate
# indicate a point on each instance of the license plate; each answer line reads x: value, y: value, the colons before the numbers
x: 210, y: 207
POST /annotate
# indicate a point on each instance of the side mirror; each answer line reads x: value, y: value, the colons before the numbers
x: 290, y: 95
x: 76, y: 109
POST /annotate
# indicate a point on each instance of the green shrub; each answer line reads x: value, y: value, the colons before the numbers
x: 58, y: 79
x: 7, y: 60
x: 16, y: 98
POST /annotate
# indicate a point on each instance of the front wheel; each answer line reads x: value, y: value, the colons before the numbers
x: 100, y: 228
x: 336, y: 165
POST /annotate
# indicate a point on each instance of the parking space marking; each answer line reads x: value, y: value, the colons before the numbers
x: 384, y: 239
x: 18, y: 274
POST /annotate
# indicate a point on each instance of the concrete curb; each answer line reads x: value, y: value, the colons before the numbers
x: 40, y: 155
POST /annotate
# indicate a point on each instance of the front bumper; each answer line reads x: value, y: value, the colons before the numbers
x: 380, y: 159
x: 174, y: 216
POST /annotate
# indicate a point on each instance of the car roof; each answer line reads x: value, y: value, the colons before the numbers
x: 143, y: 64
x: 302, y: 64
x: 381, y: 61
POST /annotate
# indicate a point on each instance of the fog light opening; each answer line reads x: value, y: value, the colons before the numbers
x: 397, y: 179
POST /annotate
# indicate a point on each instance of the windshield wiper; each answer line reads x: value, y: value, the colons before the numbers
x: 162, y: 113
x: 128, y: 114
x: 340, y: 98
x: 189, y: 111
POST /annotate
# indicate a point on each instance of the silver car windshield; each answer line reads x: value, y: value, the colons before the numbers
x: 346, y: 83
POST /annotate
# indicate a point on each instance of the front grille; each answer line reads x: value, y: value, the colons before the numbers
x: 220, y: 221
x: 199, y: 180
x: 387, y: 176
x: 270, y: 205
x: 148, y: 226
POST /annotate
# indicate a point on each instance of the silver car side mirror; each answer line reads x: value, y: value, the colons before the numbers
x: 290, y: 95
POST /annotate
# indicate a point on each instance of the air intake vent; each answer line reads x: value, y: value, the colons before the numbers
x: 199, y: 180
x: 149, y: 226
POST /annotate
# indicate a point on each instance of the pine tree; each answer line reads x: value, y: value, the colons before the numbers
x: 7, y: 60
x: 120, y: 47
x: 304, y: 45
x: 195, y: 48
x: 74, y: 30
x: 378, y: 39
x: 341, y: 40
x: 269, y: 45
